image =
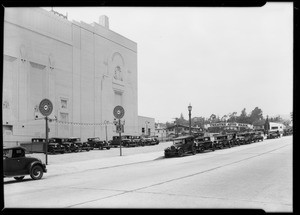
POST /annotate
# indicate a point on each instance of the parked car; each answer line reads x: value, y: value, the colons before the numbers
x: 154, y: 141
x: 248, y: 137
x: 128, y: 141
x: 258, y: 136
x: 205, y: 143
x: 116, y: 143
x: 273, y: 135
x: 137, y: 140
x: 149, y: 141
x: 232, y: 138
x: 77, y: 145
x: 54, y: 147
x: 17, y: 165
x: 240, y: 138
x: 69, y: 147
x: 95, y: 142
x: 181, y: 146
x: 221, y: 141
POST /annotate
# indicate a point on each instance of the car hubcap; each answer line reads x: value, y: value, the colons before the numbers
x: 37, y: 173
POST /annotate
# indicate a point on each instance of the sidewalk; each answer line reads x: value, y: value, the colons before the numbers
x: 74, y: 167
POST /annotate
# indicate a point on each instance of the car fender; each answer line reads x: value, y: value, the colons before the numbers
x: 31, y: 165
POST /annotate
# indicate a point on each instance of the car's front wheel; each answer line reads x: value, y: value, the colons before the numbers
x: 36, y: 172
x: 180, y: 152
x: 19, y: 178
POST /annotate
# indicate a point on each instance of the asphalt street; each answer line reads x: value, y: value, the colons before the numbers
x: 258, y: 175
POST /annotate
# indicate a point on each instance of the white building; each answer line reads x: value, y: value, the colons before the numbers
x: 146, y: 126
x: 84, y: 69
x: 274, y: 127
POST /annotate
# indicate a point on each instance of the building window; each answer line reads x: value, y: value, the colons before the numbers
x: 64, y: 103
x: 64, y: 117
x: 276, y: 127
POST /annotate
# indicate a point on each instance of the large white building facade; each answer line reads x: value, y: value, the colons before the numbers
x: 84, y: 69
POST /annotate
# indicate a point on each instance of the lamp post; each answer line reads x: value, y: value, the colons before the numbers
x: 190, y: 122
x: 106, y: 122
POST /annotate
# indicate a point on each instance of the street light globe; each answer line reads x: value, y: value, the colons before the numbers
x: 190, y: 107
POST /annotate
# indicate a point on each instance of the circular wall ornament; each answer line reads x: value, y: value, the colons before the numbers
x: 46, y: 107
x: 119, y: 112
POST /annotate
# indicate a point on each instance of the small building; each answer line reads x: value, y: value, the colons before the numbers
x: 275, y: 127
x: 178, y: 130
x: 161, y: 131
x: 146, y: 126
x: 229, y: 127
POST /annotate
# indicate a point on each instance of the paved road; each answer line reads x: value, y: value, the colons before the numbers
x: 258, y: 175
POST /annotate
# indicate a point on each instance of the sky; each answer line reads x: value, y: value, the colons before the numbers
x: 219, y: 60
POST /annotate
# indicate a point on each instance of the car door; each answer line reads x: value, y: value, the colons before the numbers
x: 189, y: 145
x: 16, y: 164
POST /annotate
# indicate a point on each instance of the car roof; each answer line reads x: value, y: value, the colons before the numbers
x: 14, y: 147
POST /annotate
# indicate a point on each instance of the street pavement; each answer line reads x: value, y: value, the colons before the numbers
x: 258, y: 175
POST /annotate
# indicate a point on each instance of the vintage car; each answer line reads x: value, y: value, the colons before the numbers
x: 154, y: 141
x: 147, y: 141
x: 95, y: 142
x: 115, y: 142
x: 221, y: 141
x: 69, y: 146
x: 181, y: 146
x: 273, y: 135
x: 205, y: 143
x: 138, y: 141
x: 78, y: 145
x: 54, y: 147
x: 247, y: 137
x: 240, y: 137
x: 17, y: 165
x: 233, y: 139
x: 128, y: 141
x: 258, y: 136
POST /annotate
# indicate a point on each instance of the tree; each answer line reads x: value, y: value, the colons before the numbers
x: 243, y: 117
x: 256, y: 115
x: 232, y: 117
x: 276, y: 119
x: 212, y: 118
x: 286, y: 122
x: 224, y: 118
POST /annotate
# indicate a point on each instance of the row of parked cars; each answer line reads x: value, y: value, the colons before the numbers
x: 17, y: 165
x: 133, y: 141
x: 74, y: 144
x: 193, y: 144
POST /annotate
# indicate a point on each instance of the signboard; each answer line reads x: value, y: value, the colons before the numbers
x: 119, y: 112
x: 46, y: 107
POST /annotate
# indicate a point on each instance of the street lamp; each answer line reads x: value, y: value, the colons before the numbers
x: 190, y: 109
x: 106, y: 122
